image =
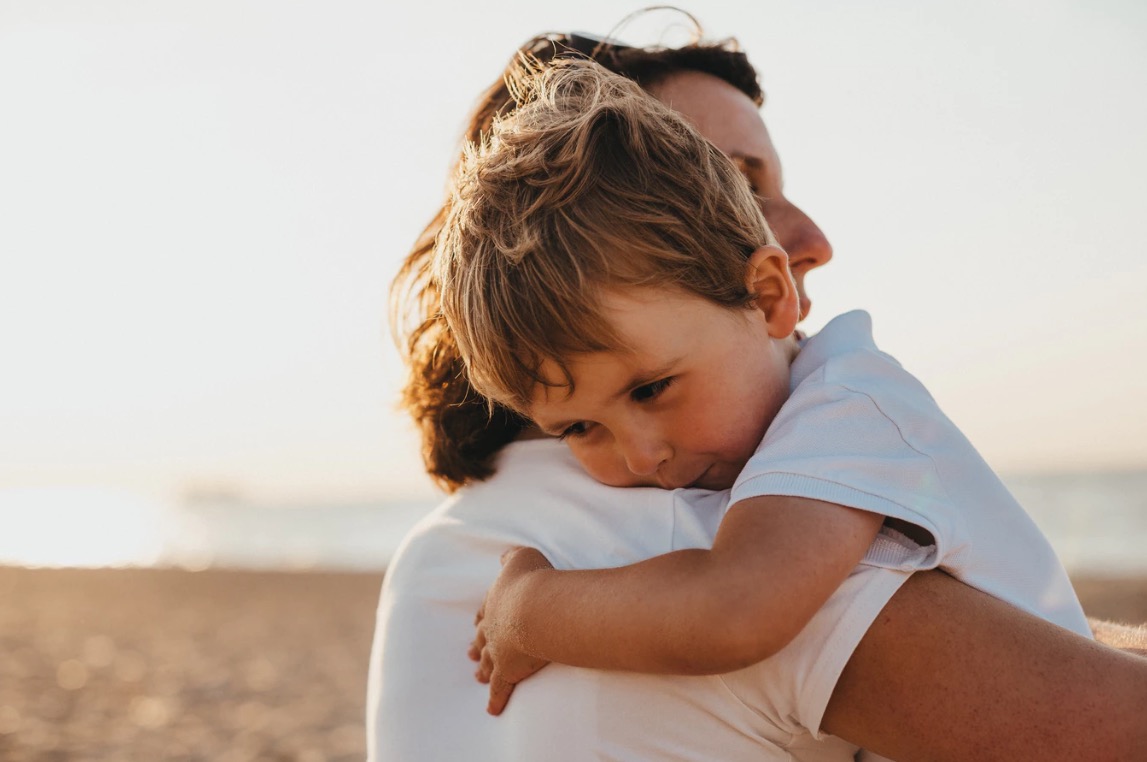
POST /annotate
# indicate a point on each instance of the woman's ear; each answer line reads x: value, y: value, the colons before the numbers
x: 767, y: 277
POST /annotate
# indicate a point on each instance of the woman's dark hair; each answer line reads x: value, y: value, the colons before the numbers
x: 460, y: 433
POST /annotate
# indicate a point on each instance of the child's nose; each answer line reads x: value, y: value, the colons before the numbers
x: 645, y: 454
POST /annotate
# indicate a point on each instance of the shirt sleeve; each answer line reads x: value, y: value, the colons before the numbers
x: 793, y: 687
x: 836, y: 444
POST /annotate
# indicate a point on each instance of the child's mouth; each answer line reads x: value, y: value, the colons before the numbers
x: 699, y: 480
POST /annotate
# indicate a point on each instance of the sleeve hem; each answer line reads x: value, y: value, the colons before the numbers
x: 853, y: 625
x: 815, y: 488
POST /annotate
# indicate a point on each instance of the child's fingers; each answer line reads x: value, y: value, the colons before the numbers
x: 500, y: 691
x: 485, y: 667
x: 522, y: 560
x: 476, y: 645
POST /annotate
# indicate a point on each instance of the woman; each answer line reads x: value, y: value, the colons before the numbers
x: 1013, y: 687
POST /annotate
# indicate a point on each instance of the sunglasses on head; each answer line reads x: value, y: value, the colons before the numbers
x: 573, y: 45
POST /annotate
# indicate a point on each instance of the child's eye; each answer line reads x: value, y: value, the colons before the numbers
x: 573, y: 430
x: 646, y: 392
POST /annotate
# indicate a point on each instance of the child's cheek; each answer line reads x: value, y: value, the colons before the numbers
x: 606, y: 465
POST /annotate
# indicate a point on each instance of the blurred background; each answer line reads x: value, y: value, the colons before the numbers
x: 203, y: 205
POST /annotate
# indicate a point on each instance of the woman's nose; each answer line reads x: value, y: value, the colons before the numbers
x: 806, y: 244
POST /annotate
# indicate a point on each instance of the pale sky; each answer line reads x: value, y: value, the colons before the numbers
x: 203, y: 204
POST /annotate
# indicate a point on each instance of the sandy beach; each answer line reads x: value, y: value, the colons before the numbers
x: 142, y: 665
x: 216, y: 665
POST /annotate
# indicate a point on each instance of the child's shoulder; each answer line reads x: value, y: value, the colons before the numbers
x: 844, y: 355
x: 844, y: 340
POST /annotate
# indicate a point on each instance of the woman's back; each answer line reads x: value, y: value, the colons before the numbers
x: 426, y: 704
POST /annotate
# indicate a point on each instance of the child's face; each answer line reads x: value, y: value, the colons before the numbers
x: 686, y: 407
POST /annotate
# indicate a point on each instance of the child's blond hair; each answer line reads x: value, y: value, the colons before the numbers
x: 590, y: 184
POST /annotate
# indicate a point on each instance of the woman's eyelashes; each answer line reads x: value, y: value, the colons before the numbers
x: 650, y: 391
x: 753, y: 170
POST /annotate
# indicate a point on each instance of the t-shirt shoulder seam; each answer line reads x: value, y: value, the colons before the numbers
x: 900, y: 432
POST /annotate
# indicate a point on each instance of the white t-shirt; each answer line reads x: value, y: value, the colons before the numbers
x: 860, y: 431
x: 424, y: 703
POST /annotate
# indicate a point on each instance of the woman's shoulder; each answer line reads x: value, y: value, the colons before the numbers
x: 522, y: 467
x: 537, y: 486
x: 540, y: 496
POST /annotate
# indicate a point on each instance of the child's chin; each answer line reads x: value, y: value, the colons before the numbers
x: 715, y: 478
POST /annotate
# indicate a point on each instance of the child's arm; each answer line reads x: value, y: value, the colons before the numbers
x: 774, y: 563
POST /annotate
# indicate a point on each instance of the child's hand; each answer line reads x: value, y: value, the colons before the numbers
x: 500, y: 662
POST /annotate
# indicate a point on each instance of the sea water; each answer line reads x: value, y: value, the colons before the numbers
x: 1096, y: 522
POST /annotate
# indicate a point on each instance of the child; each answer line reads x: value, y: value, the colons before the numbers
x: 608, y: 273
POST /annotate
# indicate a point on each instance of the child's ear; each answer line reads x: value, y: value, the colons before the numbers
x: 767, y: 276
